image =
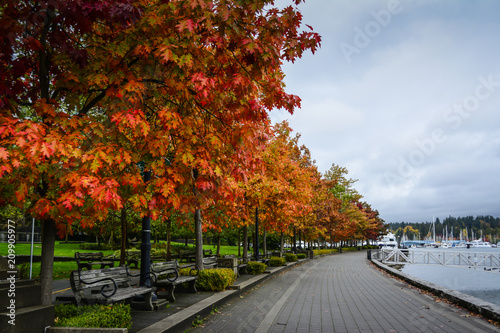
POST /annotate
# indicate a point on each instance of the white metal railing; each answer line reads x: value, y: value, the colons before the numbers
x: 485, y: 260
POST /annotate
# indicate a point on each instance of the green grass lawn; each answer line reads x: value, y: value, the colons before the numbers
x: 68, y: 249
x: 62, y: 269
x: 61, y: 249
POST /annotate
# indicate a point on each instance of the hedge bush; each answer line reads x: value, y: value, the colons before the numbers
x: 290, y: 257
x: 301, y: 256
x: 102, y: 316
x: 349, y: 248
x: 255, y: 268
x: 276, y: 261
x: 215, y: 279
x: 324, y: 251
x: 96, y: 246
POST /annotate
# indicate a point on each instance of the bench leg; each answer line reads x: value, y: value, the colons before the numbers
x: 81, y: 266
x: 108, y: 265
x: 148, y: 299
x: 170, y: 293
x: 192, y: 287
x: 242, y: 270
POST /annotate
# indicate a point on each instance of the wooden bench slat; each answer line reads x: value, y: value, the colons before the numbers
x: 170, y: 282
x: 89, y: 259
x: 106, y: 286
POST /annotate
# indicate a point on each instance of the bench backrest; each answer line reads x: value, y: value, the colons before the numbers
x: 81, y: 280
x: 133, y: 254
x: 209, y: 260
x: 165, y: 267
x: 88, y: 256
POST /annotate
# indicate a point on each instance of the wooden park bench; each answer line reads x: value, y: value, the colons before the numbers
x: 264, y: 259
x: 89, y: 259
x: 168, y: 277
x: 108, y: 285
x: 133, y: 257
x: 187, y: 255
x: 238, y: 265
x: 210, y: 262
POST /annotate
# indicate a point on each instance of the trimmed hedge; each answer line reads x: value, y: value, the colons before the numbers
x: 301, y: 256
x: 290, y: 257
x: 102, y: 316
x: 215, y: 279
x: 255, y: 268
x: 324, y: 251
x: 96, y: 246
x: 277, y: 261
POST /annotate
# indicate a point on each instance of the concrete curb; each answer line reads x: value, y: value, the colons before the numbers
x: 85, y: 330
x: 183, y: 320
x: 473, y: 304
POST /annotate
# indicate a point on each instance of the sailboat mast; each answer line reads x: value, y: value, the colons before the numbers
x: 433, y: 230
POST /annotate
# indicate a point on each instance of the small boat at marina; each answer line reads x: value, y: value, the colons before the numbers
x: 480, y: 243
x: 388, y: 242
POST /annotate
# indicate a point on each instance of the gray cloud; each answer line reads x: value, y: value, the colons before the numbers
x: 411, y: 109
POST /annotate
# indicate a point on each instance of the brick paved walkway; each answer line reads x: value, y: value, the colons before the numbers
x: 340, y: 293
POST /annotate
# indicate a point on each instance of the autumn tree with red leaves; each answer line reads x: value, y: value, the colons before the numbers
x: 282, y: 187
x: 89, y: 89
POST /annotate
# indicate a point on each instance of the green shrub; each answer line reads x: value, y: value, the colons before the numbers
x: 255, y: 268
x: 95, y: 246
x: 158, y: 246
x: 277, y: 261
x: 349, y: 248
x: 117, y: 315
x: 324, y: 251
x: 159, y: 252
x: 63, y: 311
x: 24, y: 270
x: 290, y: 257
x: 301, y: 256
x: 215, y: 279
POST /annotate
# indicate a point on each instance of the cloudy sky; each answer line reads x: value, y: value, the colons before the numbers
x: 406, y: 95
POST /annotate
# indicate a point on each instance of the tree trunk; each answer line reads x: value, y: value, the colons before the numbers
x: 239, y: 243
x: 169, y: 239
x: 199, y: 239
x: 218, y: 247
x: 123, y: 245
x: 111, y: 240
x: 245, y: 242
x: 68, y: 229
x: 47, y: 261
x: 282, y: 242
x: 264, y: 246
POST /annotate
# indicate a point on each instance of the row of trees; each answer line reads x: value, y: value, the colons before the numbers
x: 159, y: 109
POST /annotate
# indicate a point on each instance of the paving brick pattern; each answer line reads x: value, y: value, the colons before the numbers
x: 340, y: 293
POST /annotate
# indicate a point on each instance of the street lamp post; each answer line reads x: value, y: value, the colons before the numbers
x: 256, y: 254
x: 146, y: 244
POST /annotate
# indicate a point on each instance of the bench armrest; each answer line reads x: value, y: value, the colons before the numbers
x: 150, y: 274
x: 103, y: 291
x: 194, y: 269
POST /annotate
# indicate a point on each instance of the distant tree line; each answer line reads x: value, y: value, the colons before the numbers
x: 487, y: 226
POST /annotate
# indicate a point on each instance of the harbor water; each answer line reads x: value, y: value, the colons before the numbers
x: 479, y: 283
